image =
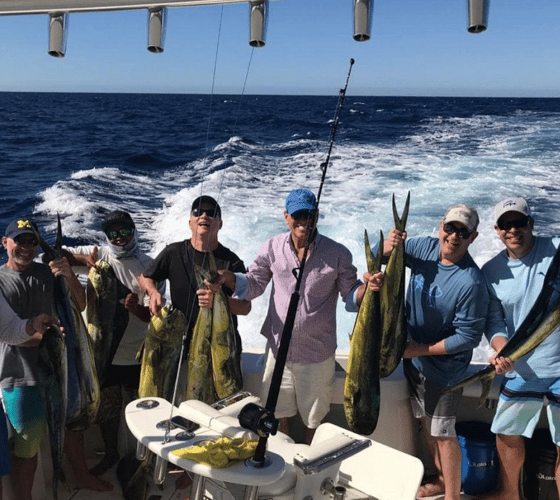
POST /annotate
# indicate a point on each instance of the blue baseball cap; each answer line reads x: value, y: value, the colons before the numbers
x: 20, y: 226
x: 300, y: 199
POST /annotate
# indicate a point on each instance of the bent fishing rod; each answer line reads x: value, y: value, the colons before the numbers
x: 253, y: 417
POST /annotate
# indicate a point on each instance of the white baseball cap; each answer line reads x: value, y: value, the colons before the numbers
x: 512, y: 205
x: 464, y: 214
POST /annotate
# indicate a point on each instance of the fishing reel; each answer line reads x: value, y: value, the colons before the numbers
x: 258, y: 419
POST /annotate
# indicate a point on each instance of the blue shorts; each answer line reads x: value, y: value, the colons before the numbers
x: 26, y: 416
x: 520, y: 404
x: 4, y: 445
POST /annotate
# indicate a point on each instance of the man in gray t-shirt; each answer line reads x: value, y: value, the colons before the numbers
x: 28, y: 287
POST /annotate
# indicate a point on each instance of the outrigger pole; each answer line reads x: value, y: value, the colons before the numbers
x: 262, y: 420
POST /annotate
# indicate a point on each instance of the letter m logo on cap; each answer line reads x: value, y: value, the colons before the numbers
x: 24, y: 223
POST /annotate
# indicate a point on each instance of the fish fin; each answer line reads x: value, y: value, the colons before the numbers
x: 140, y: 353
x: 49, y: 252
x: 486, y: 382
x: 212, y: 267
x: 58, y: 245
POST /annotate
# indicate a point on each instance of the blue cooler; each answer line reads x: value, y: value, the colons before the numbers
x: 479, y: 457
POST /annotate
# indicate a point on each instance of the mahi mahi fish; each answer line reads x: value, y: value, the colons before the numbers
x: 214, y: 365
x: 160, y: 354
x: 107, y: 318
x: 394, y: 328
x: 83, y: 385
x: 541, y: 321
x: 361, y: 386
x: 53, y: 377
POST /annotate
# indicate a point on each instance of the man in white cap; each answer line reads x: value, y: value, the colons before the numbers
x: 515, y: 279
x: 446, y: 307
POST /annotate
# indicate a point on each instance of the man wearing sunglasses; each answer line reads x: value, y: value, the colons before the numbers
x: 515, y: 278
x: 29, y: 288
x: 446, y: 307
x: 121, y: 252
x: 309, y: 375
x: 176, y: 263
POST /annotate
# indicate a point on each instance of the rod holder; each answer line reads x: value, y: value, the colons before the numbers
x: 157, y: 20
x: 141, y: 451
x: 363, y: 14
x: 58, y: 25
x: 258, y: 19
x: 336, y: 492
x: 160, y: 470
x: 478, y: 15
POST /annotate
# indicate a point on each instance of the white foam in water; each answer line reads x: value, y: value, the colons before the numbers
x: 477, y: 160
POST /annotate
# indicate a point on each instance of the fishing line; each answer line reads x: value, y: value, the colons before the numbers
x: 190, y: 319
x: 282, y: 355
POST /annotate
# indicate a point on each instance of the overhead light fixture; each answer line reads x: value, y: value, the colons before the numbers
x: 156, y: 29
x: 58, y: 24
x: 258, y: 18
x: 363, y: 14
x: 478, y: 15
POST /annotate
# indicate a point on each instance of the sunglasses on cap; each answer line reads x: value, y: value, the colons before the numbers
x: 26, y: 240
x: 303, y: 214
x: 125, y: 232
x: 516, y: 223
x: 463, y: 232
x: 210, y: 212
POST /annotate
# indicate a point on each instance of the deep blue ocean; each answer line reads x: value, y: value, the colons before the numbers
x: 81, y: 155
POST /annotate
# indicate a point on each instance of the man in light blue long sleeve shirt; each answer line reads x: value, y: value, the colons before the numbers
x: 446, y: 307
x: 515, y: 278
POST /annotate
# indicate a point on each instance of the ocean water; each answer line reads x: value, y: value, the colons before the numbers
x: 81, y: 155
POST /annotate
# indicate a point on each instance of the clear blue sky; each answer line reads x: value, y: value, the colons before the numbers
x: 418, y: 47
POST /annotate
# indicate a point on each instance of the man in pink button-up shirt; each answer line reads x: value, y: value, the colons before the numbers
x: 308, y: 379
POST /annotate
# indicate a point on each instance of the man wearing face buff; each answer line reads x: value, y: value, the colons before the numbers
x: 446, y: 307
x: 309, y: 375
x: 123, y: 371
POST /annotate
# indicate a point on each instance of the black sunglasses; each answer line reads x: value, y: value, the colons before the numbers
x: 463, y: 233
x: 22, y: 240
x: 123, y: 233
x: 516, y: 223
x: 210, y: 212
x: 303, y: 214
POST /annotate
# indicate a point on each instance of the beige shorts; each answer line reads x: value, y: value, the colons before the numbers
x: 307, y: 389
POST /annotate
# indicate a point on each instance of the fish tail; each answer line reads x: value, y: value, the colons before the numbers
x: 400, y: 222
x: 379, y: 256
x: 488, y: 372
x: 58, y: 245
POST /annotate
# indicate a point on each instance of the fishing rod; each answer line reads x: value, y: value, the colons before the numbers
x: 262, y: 420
